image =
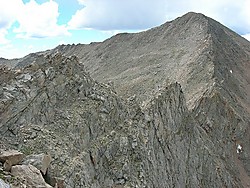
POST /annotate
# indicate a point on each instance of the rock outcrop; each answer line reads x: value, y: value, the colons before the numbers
x: 10, y: 158
x: 29, y: 175
x: 40, y: 161
x: 18, y: 171
x: 176, y: 118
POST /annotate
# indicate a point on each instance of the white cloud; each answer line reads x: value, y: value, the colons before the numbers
x: 34, y: 20
x: 247, y: 36
x: 142, y: 14
x: 234, y: 14
x: 8, y: 12
x: 10, y: 51
x: 39, y: 21
x: 3, y: 40
x: 8, y: 15
x: 81, y: 2
x: 119, y: 15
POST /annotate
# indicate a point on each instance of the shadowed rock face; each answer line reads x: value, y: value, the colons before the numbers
x: 146, y: 130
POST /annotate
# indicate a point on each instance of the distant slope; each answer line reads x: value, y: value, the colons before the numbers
x: 181, y: 50
x: 139, y: 63
x: 7, y: 62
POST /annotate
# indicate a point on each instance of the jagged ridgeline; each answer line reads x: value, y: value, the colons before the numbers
x: 167, y: 107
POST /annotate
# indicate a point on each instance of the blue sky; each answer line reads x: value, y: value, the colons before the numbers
x: 28, y: 26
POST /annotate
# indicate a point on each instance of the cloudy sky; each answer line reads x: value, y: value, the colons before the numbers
x: 34, y: 25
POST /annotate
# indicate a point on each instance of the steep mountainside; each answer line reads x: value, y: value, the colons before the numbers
x: 201, y: 54
x: 96, y: 139
x: 176, y: 115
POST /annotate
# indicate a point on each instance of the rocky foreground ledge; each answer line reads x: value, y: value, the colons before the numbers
x: 20, y: 171
x: 75, y: 132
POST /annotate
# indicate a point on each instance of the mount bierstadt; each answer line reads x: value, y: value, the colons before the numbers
x: 167, y: 107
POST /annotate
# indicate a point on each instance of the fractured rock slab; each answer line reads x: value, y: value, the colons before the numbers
x: 10, y: 158
x: 30, y: 174
x: 40, y: 161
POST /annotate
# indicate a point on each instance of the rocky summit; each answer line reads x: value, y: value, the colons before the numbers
x: 167, y: 107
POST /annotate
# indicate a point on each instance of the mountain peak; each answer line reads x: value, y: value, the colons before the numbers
x: 189, y: 18
x: 194, y: 14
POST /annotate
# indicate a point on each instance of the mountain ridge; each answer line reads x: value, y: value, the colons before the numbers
x: 105, y: 67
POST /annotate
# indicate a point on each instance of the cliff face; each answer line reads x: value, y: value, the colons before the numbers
x: 145, y: 130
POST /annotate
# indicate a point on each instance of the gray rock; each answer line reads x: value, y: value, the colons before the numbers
x: 10, y: 158
x: 30, y: 175
x: 3, y: 184
x: 40, y: 161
